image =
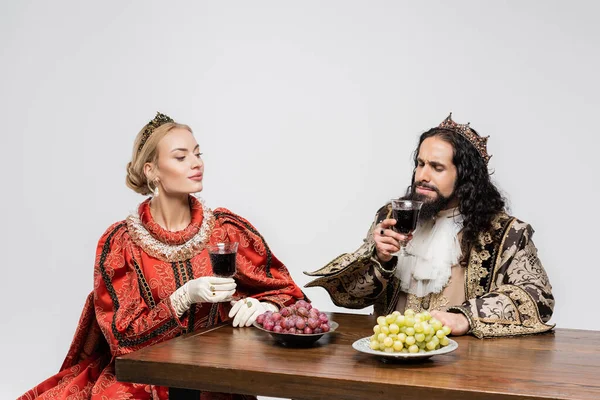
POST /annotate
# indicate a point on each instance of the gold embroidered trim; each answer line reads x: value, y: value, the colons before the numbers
x: 531, y: 321
x: 499, y: 257
x: 171, y: 253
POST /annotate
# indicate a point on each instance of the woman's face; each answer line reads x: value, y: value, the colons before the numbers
x: 179, y: 168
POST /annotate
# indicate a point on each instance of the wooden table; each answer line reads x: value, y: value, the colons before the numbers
x: 564, y: 364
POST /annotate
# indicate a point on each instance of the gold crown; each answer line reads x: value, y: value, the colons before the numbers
x: 479, y: 142
x: 159, y: 120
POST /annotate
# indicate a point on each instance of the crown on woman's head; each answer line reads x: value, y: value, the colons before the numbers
x: 479, y: 142
x: 159, y: 120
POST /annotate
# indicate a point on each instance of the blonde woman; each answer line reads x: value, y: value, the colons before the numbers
x: 153, y: 279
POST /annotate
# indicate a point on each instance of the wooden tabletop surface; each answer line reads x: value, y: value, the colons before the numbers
x: 564, y: 364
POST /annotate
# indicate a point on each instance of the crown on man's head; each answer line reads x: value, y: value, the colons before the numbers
x: 479, y: 142
x: 159, y: 120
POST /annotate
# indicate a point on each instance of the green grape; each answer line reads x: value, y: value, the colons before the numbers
x: 409, y: 333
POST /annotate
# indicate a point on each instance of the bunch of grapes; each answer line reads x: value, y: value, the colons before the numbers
x: 300, y: 318
x: 409, y: 333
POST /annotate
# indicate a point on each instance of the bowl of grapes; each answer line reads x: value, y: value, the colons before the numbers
x: 406, y: 337
x: 299, y: 325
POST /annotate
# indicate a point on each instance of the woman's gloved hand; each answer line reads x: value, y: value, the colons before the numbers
x: 207, y: 289
x: 245, y: 311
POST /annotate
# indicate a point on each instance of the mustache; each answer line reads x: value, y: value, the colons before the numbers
x: 426, y: 185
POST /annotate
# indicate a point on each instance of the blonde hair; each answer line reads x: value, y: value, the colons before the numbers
x: 136, y: 178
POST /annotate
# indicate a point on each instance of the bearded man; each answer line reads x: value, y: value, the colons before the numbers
x: 473, y: 266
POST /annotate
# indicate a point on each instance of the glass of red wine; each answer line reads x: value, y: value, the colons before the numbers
x: 406, y: 214
x: 222, y: 259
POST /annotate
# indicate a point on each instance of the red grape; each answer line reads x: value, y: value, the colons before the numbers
x: 269, y: 325
x: 313, y: 323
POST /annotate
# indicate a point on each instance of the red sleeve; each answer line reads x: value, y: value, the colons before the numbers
x: 127, y: 322
x: 259, y: 273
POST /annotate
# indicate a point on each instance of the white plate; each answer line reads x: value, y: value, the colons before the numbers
x: 362, y: 345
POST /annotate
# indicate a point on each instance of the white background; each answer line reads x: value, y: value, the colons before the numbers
x: 307, y: 114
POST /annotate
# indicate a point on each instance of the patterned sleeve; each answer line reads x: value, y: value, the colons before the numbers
x: 520, y: 301
x: 126, y: 320
x: 259, y: 273
x: 358, y: 279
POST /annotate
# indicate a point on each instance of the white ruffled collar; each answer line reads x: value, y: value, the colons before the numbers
x: 436, y: 249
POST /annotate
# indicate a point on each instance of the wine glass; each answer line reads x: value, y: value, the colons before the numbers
x: 222, y: 259
x: 406, y: 214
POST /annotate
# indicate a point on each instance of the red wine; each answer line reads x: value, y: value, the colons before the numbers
x: 223, y: 265
x: 406, y: 221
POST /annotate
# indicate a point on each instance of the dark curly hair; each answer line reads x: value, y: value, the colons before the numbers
x: 478, y: 198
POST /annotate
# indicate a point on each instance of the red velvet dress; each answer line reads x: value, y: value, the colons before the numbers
x: 138, y: 265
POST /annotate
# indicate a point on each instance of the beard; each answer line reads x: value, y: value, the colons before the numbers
x: 431, y: 207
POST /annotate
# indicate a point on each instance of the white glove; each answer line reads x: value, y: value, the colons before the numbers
x: 246, y: 310
x: 207, y: 289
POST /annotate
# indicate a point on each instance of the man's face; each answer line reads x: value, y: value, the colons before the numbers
x: 435, y: 176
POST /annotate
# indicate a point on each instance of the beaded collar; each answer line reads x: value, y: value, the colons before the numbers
x: 171, y: 246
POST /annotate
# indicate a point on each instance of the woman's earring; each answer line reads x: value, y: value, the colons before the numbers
x: 155, y: 191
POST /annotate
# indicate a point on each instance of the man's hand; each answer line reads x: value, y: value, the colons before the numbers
x: 457, y: 322
x: 387, y: 241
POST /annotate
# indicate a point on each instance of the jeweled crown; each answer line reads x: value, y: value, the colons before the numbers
x: 159, y: 120
x: 479, y: 142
